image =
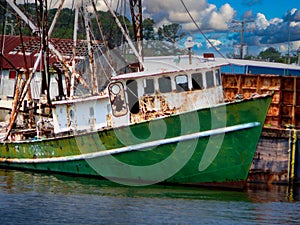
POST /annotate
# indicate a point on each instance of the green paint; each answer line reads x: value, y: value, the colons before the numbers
x: 206, y: 160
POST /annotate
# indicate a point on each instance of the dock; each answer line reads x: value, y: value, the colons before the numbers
x: 277, y: 157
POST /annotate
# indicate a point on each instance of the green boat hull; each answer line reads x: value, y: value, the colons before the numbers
x: 213, y: 146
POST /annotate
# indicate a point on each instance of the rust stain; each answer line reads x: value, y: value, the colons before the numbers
x: 152, y: 107
x: 285, y: 108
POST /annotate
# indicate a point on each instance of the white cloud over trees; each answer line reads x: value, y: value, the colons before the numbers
x: 207, y: 16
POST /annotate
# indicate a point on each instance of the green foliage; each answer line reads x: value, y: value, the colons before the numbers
x: 65, y: 23
x: 171, y: 32
x: 64, y: 26
x: 148, y: 30
x: 270, y: 54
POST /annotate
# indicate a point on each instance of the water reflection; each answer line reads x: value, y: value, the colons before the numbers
x: 13, y: 182
x: 30, y: 198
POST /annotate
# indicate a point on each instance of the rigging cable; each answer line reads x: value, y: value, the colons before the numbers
x: 230, y: 64
x: 192, y: 18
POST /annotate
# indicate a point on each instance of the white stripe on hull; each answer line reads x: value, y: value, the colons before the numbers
x: 136, y: 147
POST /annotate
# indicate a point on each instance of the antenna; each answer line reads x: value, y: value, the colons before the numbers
x: 189, y: 44
x: 241, y: 26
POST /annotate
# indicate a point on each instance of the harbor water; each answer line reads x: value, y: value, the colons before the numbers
x: 32, y: 198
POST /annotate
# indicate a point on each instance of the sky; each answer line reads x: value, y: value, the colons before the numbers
x: 274, y: 23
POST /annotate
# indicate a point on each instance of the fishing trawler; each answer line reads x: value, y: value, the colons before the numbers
x: 163, y: 119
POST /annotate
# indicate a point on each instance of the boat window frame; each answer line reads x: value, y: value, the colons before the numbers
x: 161, y: 86
x: 146, y: 86
x: 218, y: 77
x: 184, y: 86
x: 194, y: 81
x: 133, y: 100
x: 118, y: 95
x: 209, y: 77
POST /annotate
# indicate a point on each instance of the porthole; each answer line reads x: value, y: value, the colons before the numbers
x: 115, y: 89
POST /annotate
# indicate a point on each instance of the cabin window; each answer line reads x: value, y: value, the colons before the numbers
x: 132, y: 94
x: 164, y: 84
x: 209, y: 79
x: 218, y: 77
x: 149, y: 86
x: 197, y: 81
x: 181, y: 83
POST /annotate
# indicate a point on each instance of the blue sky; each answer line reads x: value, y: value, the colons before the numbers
x: 270, y: 8
x: 276, y: 23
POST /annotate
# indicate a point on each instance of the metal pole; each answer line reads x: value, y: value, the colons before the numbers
x: 94, y: 81
x: 139, y: 57
x: 74, y: 48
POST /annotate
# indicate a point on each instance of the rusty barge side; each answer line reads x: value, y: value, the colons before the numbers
x: 277, y: 158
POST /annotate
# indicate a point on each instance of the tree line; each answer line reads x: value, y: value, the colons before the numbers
x: 65, y: 25
x: 9, y: 24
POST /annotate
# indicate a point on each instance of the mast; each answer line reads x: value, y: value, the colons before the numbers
x: 51, y: 47
x: 137, y: 23
x: 126, y: 36
x: 43, y: 18
x: 74, y: 48
x: 90, y: 50
x: 100, y: 27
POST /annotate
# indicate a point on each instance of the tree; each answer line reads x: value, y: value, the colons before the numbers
x: 271, y: 54
x: 171, y: 33
x: 148, y: 30
x: 111, y: 30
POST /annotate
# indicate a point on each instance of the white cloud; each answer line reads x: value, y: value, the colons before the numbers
x: 215, y: 43
x: 295, y: 25
x: 276, y: 21
x: 293, y: 11
x: 206, y: 15
x: 292, y: 47
x: 261, y: 22
x: 219, y: 20
x: 227, y: 12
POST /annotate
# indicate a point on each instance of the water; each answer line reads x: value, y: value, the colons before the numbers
x: 30, y: 198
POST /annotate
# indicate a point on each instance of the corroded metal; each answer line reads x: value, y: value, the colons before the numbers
x: 15, y: 109
x: 72, y: 79
x: 272, y: 160
x: 71, y: 153
x: 137, y: 22
x: 285, y: 107
x: 51, y: 47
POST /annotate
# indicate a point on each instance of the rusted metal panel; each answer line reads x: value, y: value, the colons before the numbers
x: 272, y: 158
x: 158, y: 105
x: 284, y: 109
